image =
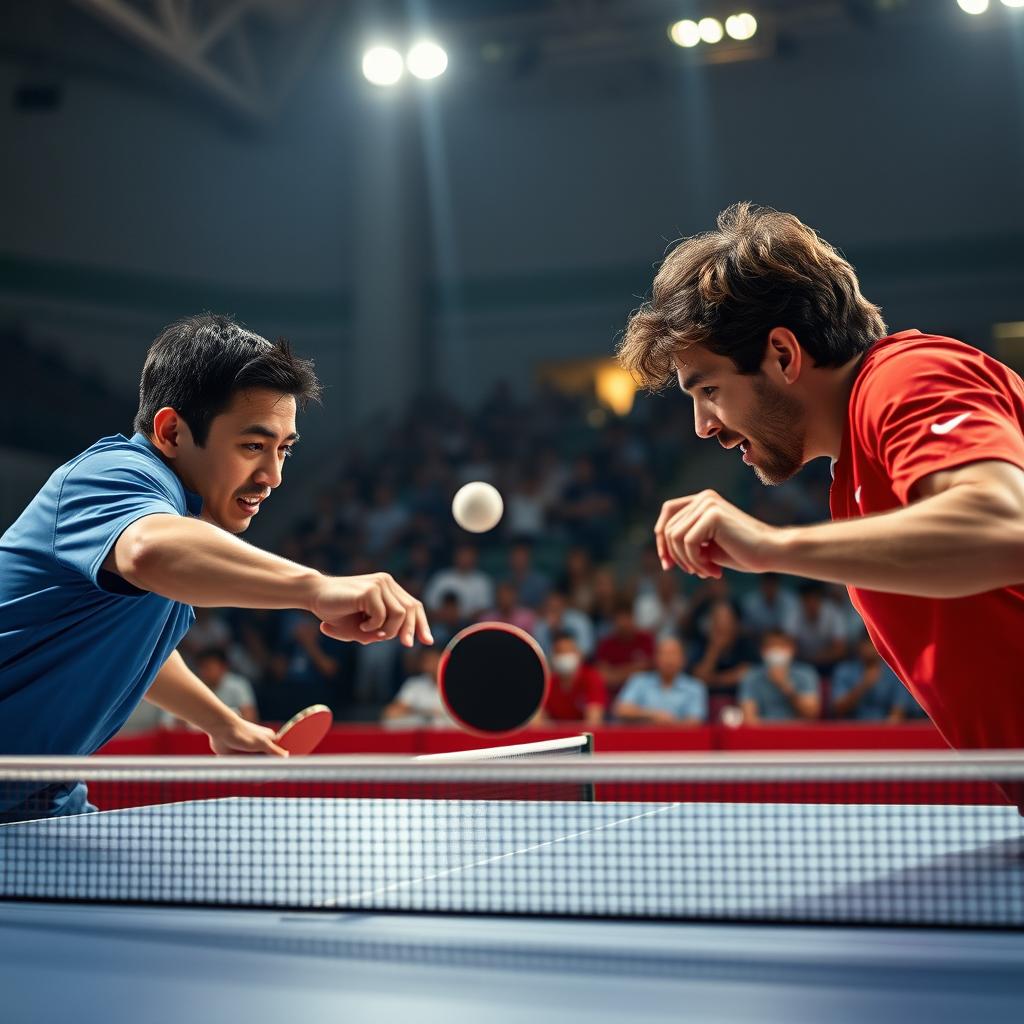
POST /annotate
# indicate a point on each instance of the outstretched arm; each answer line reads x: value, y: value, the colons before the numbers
x: 963, y: 534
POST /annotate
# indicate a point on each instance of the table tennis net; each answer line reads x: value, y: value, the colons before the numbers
x: 907, y: 839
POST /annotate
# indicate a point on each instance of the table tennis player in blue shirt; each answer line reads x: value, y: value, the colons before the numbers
x: 99, y: 574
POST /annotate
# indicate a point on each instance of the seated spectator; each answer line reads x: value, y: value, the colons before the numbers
x: 779, y: 689
x: 385, y: 519
x: 234, y: 690
x: 508, y: 609
x: 625, y: 650
x: 526, y: 508
x: 446, y: 619
x: 661, y: 608
x: 666, y: 695
x: 532, y: 586
x: 866, y: 689
x: 578, y: 579
x: 418, y: 701
x: 577, y: 692
x: 725, y: 655
x: 770, y: 606
x: 556, y: 617
x: 819, y: 629
x: 471, y: 586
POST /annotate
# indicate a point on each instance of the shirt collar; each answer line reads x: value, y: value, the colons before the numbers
x: 193, y: 501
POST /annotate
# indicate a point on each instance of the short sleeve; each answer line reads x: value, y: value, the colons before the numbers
x: 844, y: 679
x: 699, y: 702
x: 805, y: 679
x: 748, y: 685
x: 932, y: 408
x: 596, y: 691
x: 633, y: 691
x: 100, y: 498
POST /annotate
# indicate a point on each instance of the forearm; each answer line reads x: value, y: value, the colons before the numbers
x: 199, y: 564
x: 180, y: 692
x: 958, y: 542
x: 633, y: 713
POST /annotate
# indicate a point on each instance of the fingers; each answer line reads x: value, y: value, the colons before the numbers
x: 389, y: 612
x: 689, y: 536
x: 375, y: 610
x: 422, y: 626
x: 668, y: 510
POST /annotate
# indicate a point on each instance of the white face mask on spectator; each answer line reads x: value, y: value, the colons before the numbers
x: 566, y: 663
x: 777, y: 657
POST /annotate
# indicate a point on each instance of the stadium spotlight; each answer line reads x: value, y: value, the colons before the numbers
x: 684, y: 33
x: 426, y: 60
x: 382, y: 65
x: 973, y: 6
x: 711, y: 30
x: 741, y: 26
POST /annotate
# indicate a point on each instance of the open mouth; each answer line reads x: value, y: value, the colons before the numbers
x: 745, y: 450
x: 250, y: 506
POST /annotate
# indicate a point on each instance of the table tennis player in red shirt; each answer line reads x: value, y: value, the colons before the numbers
x: 764, y: 326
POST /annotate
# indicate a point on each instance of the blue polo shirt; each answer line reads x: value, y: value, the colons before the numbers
x: 884, y: 697
x: 684, y: 698
x: 79, y: 646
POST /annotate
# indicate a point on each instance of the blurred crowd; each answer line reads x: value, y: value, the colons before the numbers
x: 626, y: 641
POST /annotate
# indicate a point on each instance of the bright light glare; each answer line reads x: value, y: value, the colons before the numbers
x: 973, y: 6
x: 1013, y: 3
x: 382, y: 65
x: 426, y: 60
x: 711, y: 30
x: 741, y: 26
x: 684, y: 33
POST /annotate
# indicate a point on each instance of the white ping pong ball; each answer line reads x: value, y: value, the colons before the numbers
x: 477, y: 507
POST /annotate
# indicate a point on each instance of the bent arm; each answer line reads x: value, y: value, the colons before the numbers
x: 963, y: 535
x: 196, y: 563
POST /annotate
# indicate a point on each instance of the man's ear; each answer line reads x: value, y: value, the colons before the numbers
x: 784, y: 354
x: 169, y: 432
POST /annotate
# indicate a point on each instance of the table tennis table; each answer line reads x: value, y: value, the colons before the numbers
x: 351, y: 941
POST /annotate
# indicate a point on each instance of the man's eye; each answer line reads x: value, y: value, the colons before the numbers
x: 253, y: 446
x: 708, y: 392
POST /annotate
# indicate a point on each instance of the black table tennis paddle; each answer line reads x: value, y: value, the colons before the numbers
x: 493, y: 678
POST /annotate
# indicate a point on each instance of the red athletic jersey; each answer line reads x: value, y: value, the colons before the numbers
x: 567, y: 703
x: 921, y: 404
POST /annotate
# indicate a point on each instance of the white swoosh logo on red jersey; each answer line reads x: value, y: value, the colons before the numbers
x: 856, y: 495
x: 945, y: 428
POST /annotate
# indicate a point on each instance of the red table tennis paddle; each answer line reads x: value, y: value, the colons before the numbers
x: 493, y: 678
x: 302, y: 733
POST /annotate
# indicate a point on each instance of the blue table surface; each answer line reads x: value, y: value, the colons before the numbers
x: 113, y: 964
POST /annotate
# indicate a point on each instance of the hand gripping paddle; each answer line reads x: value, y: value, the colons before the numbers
x: 302, y: 733
x: 493, y: 678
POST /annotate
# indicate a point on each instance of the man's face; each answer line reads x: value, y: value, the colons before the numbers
x: 747, y: 411
x: 669, y: 658
x: 243, y: 458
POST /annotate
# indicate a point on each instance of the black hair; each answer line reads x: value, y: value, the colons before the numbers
x: 213, y: 652
x: 196, y: 365
x: 562, y: 634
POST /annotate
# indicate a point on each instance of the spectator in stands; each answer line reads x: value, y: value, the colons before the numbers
x: 472, y: 587
x: 418, y: 701
x: 577, y: 692
x: 234, y: 690
x: 769, y: 606
x: 723, y: 658
x: 557, y: 617
x: 779, y: 689
x: 665, y: 695
x: 578, y: 579
x: 508, y: 609
x: 660, y: 610
x: 588, y: 508
x: 625, y: 650
x: 607, y: 598
x: 532, y: 585
x: 447, y: 619
x: 819, y: 629
x: 526, y: 509
x: 385, y: 519
x: 866, y: 689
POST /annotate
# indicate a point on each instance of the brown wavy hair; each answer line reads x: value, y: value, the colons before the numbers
x: 726, y: 290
